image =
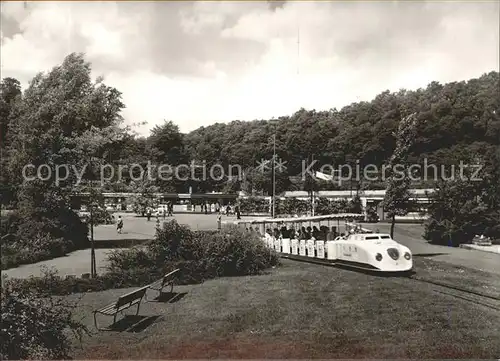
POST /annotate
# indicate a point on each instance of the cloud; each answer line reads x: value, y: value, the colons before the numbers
x: 200, y: 62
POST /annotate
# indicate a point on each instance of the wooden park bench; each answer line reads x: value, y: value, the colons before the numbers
x: 124, y: 302
x: 167, y: 280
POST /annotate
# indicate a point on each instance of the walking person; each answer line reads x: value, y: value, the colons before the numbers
x: 164, y: 213
x: 238, y: 214
x: 119, y: 225
x: 149, y: 214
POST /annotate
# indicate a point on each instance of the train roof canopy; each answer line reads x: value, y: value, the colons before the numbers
x: 337, y: 216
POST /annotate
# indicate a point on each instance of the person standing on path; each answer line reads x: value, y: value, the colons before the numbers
x: 119, y: 225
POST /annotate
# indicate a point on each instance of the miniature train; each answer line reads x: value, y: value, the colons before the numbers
x: 357, y: 247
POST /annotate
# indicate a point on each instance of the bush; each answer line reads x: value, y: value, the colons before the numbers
x: 100, y: 216
x: 205, y: 255
x: 292, y: 206
x: 236, y: 253
x: 31, y: 236
x: 175, y: 242
x: 327, y: 206
x: 34, y: 324
x: 456, y: 215
x: 372, y: 214
x: 355, y: 205
x: 31, y: 250
x: 254, y: 205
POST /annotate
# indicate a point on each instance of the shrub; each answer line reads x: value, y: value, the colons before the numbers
x: 236, y: 253
x: 457, y: 214
x: 372, y: 214
x: 100, y: 216
x: 327, y: 206
x: 175, y: 242
x: 130, y: 259
x: 292, y: 206
x: 34, y: 249
x: 254, y: 205
x: 34, y: 235
x: 355, y: 205
x: 34, y: 324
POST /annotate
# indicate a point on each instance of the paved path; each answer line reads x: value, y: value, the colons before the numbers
x: 139, y: 228
x: 75, y: 263
x: 411, y: 236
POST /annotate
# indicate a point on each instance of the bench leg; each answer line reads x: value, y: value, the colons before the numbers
x: 95, y: 322
x: 138, y: 306
x: 97, y: 326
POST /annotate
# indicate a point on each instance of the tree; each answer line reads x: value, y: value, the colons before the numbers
x: 59, y: 111
x: 168, y: 144
x: 10, y: 93
x: 463, y: 207
x: 64, y: 122
x: 397, y: 198
x: 144, y: 197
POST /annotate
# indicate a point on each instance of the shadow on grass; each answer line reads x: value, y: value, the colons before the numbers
x: 132, y: 323
x: 380, y: 274
x: 429, y: 254
x: 170, y: 297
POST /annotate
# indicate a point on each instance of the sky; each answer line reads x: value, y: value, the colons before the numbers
x: 198, y: 63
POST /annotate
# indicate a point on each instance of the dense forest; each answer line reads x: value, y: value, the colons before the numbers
x: 457, y: 121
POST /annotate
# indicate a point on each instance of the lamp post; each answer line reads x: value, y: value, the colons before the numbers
x: 274, y: 177
x: 93, y: 268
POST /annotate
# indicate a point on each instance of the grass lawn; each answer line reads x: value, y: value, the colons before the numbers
x: 467, y: 278
x: 301, y: 311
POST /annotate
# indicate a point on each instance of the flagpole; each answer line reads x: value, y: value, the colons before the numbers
x: 274, y: 175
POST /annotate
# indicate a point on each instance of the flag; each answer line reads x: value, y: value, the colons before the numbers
x: 323, y: 176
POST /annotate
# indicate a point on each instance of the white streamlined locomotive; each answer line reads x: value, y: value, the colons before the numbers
x: 375, y: 251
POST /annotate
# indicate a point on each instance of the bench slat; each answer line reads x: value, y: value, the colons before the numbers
x: 108, y: 310
x: 131, y: 296
x: 168, y: 277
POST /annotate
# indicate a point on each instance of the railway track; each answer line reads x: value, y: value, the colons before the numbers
x: 489, y: 301
x: 476, y: 297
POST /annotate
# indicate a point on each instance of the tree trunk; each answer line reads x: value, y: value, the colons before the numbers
x: 393, y: 223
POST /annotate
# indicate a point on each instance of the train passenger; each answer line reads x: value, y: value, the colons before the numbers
x: 284, y: 232
x: 330, y: 236
x: 315, y: 232
x: 309, y: 232
x: 324, y: 231
x: 334, y: 231
x: 292, y: 233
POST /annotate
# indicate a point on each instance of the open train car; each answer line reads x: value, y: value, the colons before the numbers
x: 357, y: 247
